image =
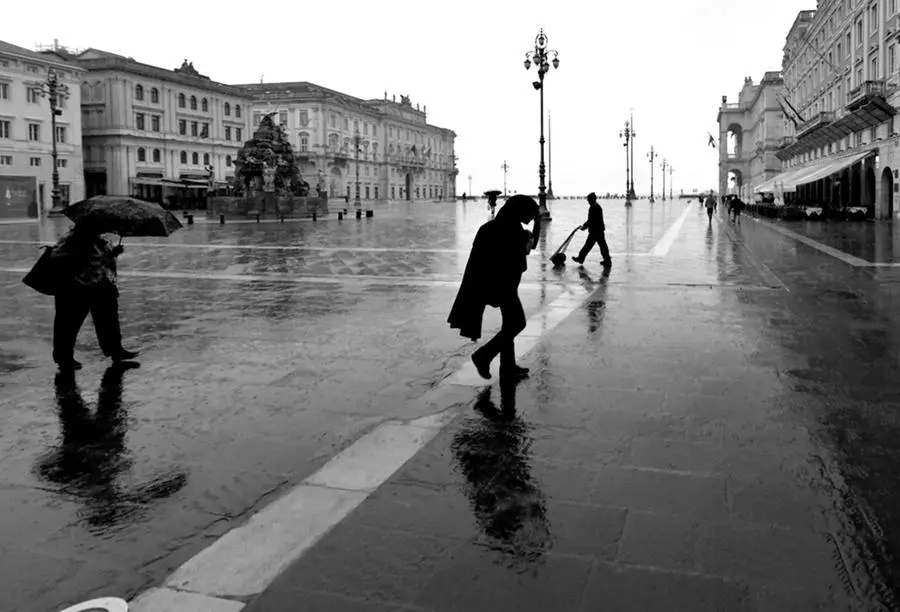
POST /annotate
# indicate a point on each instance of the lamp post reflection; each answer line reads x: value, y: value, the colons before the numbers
x: 92, y: 460
x: 491, y: 451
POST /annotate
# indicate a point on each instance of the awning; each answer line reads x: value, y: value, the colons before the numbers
x: 836, y: 165
x: 787, y: 178
x: 146, y: 181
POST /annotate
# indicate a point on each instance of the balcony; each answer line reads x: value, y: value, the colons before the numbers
x: 816, y: 122
x: 864, y: 93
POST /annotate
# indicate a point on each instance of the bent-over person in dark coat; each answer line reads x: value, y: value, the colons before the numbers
x: 492, y: 276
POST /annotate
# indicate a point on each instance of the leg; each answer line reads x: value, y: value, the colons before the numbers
x: 105, y: 313
x: 588, y: 245
x: 502, y: 343
x: 71, y: 309
x: 604, y: 249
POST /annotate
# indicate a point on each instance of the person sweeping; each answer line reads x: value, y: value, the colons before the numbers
x: 596, y: 229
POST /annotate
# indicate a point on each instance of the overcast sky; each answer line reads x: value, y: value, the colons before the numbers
x: 669, y: 60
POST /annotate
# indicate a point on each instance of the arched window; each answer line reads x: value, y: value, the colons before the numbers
x: 228, y: 161
x: 181, y: 100
x: 227, y: 109
x: 332, y: 141
x: 139, y: 92
x: 304, y: 142
x: 156, y: 155
x: 183, y: 157
x: 154, y: 95
x: 195, y: 158
x: 142, y: 154
x: 237, y: 111
x: 204, y: 105
x: 193, y: 102
x: 206, y: 159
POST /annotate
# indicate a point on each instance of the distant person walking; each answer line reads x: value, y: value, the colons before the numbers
x: 492, y: 276
x: 736, y: 206
x: 596, y: 229
x: 92, y: 289
x: 710, y: 206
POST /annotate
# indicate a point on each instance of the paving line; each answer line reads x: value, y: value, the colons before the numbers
x: 244, y: 561
x: 763, y: 269
x: 661, y: 249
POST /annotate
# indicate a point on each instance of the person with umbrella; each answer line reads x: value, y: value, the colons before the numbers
x: 88, y: 280
x: 491, y: 278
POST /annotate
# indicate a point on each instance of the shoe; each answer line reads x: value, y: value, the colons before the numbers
x: 124, y: 355
x: 578, y: 260
x: 513, y: 372
x: 484, y: 369
x: 69, y: 366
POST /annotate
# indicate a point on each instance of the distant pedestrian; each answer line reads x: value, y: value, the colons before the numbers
x: 92, y: 288
x: 596, y: 229
x: 492, y: 276
x: 736, y: 206
x: 710, y: 206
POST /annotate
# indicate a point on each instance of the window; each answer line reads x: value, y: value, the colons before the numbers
x: 237, y: 110
x: 282, y: 118
x: 33, y: 95
x: 227, y: 132
x: 6, y: 160
x: 154, y: 95
x: 365, y: 128
x: 893, y: 7
x: 4, y: 91
x: 228, y: 161
x: 60, y: 133
x: 34, y: 131
x: 873, y: 18
x: 355, y: 125
x: 346, y: 123
x: 204, y: 130
x: 859, y: 32
x: 142, y: 154
x: 206, y: 159
x: 873, y: 69
x: 156, y: 156
x: 892, y: 60
x: 182, y: 127
x: 227, y: 109
x: 849, y: 45
x: 154, y: 123
x: 183, y: 157
x: 139, y: 92
x: 204, y: 105
x: 237, y: 134
x: 181, y: 100
x: 838, y: 97
x: 34, y: 161
x: 193, y: 102
x: 304, y: 142
x: 195, y: 158
x: 333, y: 141
x: 257, y: 117
x: 840, y: 57
x: 5, y: 129
x: 193, y: 128
x: 139, y: 121
x: 375, y: 135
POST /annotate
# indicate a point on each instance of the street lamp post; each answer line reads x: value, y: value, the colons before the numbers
x: 664, y: 166
x: 540, y: 57
x: 356, y: 141
x: 56, y: 92
x: 633, y: 135
x: 671, y: 170
x: 550, y: 195
x: 628, y: 134
x: 651, y: 155
x: 470, y: 185
x: 505, y: 167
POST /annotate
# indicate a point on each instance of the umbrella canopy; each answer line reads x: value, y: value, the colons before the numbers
x: 123, y: 216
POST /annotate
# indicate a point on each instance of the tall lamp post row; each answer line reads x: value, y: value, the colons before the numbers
x: 505, y: 167
x: 651, y: 156
x: 665, y: 165
x: 56, y: 91
x: 629, y: 134
x: 540, y: 56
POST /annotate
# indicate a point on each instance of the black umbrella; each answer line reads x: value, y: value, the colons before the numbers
x: 123, y: 216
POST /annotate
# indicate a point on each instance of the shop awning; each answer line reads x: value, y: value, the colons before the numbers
x: 140, y: 180
x: 787, y: 178
x: 836, y: 165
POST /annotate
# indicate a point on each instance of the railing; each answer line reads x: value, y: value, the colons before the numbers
x: 773, y: 75
x: 867, y: 89
x: 731, y: 106
x: 816, y: 121
x: 785, y: 141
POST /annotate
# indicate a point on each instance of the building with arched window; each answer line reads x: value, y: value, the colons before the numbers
x: 138, y: 129
x: 399, y: 151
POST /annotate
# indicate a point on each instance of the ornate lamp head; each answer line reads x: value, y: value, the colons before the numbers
x: 540, y: 42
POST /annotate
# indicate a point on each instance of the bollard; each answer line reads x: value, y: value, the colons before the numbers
x: 340, y: 216
x: 370, y: 213
x: 359, y: 213
x: 282, y: 218
x: 345, y: 211
x: 314, y: 217
x: 221, y: 219
x: 190, y: 219
x: 257, y: 218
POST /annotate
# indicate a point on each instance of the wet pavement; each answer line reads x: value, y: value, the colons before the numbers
x: 713, y: 429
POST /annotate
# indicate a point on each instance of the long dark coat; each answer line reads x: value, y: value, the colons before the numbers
x: 493, y: 272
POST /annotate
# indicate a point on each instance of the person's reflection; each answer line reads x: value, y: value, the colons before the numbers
x: 92, y: 460
x: 596, y: 306
x: 710, y: 240
x: 491, y: 451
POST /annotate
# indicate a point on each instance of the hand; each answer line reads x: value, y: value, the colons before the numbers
x: 118, y: 250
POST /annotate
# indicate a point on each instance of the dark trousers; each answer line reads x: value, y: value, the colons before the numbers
x: 592, y: 239
x: 73, y: 306
x: 503, y: 342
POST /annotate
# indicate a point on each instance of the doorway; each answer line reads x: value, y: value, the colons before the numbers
x: 887, y: 193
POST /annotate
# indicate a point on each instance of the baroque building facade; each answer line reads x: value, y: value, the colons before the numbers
x: 750, y: 132
x: 840, y: 150
x: 400, y: 155
x: 26, y: 139
x: 163, y: 135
